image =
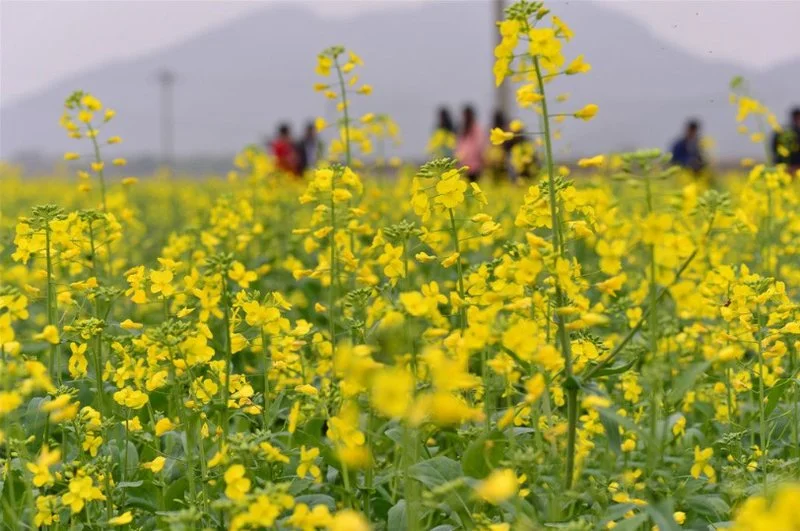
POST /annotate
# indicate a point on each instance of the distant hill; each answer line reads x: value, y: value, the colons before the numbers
x: 237, y: 81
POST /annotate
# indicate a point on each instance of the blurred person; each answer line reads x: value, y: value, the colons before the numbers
x: 445, y: 120
x: 283, y: 149
x: 443, y: 140
x: 687, y: 151
x: 497, y: 157
x: 471, y: 144
x: 309, y: 149
x: 786, y: 143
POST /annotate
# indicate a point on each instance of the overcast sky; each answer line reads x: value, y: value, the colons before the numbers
x: 43, y: 41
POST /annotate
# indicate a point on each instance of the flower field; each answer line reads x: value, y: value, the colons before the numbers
x: 612, y: 346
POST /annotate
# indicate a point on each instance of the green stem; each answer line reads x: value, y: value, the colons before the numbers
x: 795, y: 430
x: 767, y: 239
x: 487, y: 395
x: 191, y: 443
x: 409, y: 458
x: 762, y: 421
x: 369, y: 474
x: 98, y: 159
x: 333, y: 278
x: 652, y: 320
x: 109, y: 500
x: 347, y: 488
x: 266, y: 379
x: 102, y: 178
x: 98, y: 378
x: 228, y: 358
x: 462, y: 311
x: 52, y: 307
x: 345, y: 105
x: 9, y: 477
x: 94, y: 250
x: 558, y: 248
x: 127, y: 439
x: 347, y: 151
x: 572, y: 422
x: 729, y: 394
x: 635, y: 330
x: 203, y: 471
x: 406, y: 334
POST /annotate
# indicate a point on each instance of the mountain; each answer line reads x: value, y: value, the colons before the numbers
x: 234, y: 83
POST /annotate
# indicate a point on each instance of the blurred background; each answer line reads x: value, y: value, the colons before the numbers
x: 195, y: 81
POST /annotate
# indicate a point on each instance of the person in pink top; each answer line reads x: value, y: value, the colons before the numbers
x: 471, y: 144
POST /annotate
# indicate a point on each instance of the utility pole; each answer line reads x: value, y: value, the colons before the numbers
x: 501, y: 93
x: 166, y: 79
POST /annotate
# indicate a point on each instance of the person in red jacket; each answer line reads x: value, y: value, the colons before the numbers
x: 284, y: 150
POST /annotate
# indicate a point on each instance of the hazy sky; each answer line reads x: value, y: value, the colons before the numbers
x: 42, y: 41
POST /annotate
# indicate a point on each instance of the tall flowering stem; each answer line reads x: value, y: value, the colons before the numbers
x: 42, y: 217
x: 51, y: 301
x: 570, y: 383
x: 99, y: 165
x: 332, y: 268
x: 752, y: 111
x: 332, y: 186
x: 462, y: 313
x: 539, y: 63
x: 80, y: 108
x: 328, y: 60
x: 221, y: 264
x: 226, y: 386
x: 345, y: 111
x: 654, y: 227
x: 762, y: 420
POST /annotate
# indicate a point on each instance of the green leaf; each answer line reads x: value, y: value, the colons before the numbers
x: 13, y: 498
x: 129, y: 460
x: 686, y: 381
x: 299, y: 485
x: 436, y: 471
x: 616, y: 369
x: 661, y: 513
x: 776, y: 394
x: 129, y: 484
x: 612, y: 433
x: 398, y: 519
x: 144, y: 496
x: 631, y: 524
x: 614, y: 417
x: 709, y: 506
x: 395, y: 434
x: 275, y: 407
x: 524, y: 364
x: 484, y: 454
x: 312, y: 500
x: 176, y: 494
x: 311, y: 433
x: 33, y: 420
x: 618, y: 511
